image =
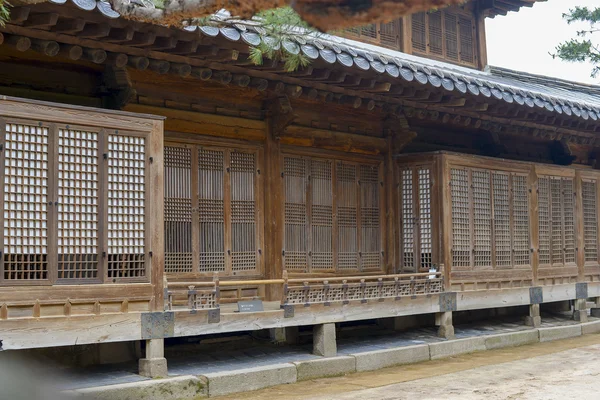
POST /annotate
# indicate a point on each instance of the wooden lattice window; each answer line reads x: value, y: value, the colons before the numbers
x: 556, y: 215
x: 126, y: 206
x: 312, y: 217
x: 490, y: 219
x: 74, y: 205
x: 211, y: 200
x: 78, y: 195
x: 178, y: 209
x: 590, y: 221
x: 387, y: 34
x: 26, y: 202
x: 447, y: 34
x: 416, y: 219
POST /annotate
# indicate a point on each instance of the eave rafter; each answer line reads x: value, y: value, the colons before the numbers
x: 119, y: 44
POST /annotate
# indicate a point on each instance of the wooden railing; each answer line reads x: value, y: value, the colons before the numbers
x: 342, y: 290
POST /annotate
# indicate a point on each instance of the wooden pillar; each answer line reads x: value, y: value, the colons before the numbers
x: 154, y: 365
x: 391, y: 195
x: 533, y: 225
x: 579, y: 232
x: 274, y: 201
x: 446, y: 221
x: 155, y: 217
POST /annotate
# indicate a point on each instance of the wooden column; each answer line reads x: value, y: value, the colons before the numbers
x: 446, y: 221
x: 278, y: 118
x: 579, y: 232
x: 155, y: 210
x: 534, y: 225
x: 391, y: 197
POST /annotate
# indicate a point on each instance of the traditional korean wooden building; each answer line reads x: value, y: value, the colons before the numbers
x: 153, y: 177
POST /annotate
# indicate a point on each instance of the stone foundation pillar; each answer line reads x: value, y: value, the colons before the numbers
x: 580, y: 310
x: 444, y: 321
x: 155, y: 363
x: 287, y: 335
x: 534, y: 319
x: 324, y: 342
x: 595, y: 311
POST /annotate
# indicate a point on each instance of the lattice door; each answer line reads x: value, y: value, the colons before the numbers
x: 178, y: 209
x: 416, y: 219
x: 370, y: 217
x: 295, y: 170
x: 243, y: 167
x: 502, y: 230
x: 556, y: 212
x: 461, y: 220
x: 482, y: 218
x: 321, y: 215
x: 211, y: 209
x: 126, y: 206
x: 347, y: 216
x: 78, y: 196
x: 26, y: 214
x: 590, y: 221
x: 521, y: 244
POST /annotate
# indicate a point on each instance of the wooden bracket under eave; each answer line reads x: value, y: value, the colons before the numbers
x: 281, y: 113
x: 397, y: 127
x: 118, y: 86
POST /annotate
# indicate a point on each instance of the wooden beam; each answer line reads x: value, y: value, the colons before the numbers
x: 41, y: 20
x: 69, y: 26
x: 94, y: 31
x: 341, y: 141
x: 47, y: 47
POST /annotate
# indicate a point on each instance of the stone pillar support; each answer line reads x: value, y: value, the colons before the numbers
x: 534, y: 319
x: 595, y: 311
x: 324, y: 342
x: 155, y: 363
x: 580, y: 310
x: 444, y: 321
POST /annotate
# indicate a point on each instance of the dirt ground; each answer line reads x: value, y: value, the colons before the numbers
x: 566, y: 369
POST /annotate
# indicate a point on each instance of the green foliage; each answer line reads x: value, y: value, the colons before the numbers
x: 280, y: 24
x: 581, y: 49
x: 4, y: 12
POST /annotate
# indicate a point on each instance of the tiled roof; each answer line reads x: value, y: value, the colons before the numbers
x: 513, y: 87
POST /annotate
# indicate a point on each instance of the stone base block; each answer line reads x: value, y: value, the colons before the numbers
x: 446, y: 331
x: 456, y: 347
x: 559, y: 332
x: 372, y: 360
x: 244, y: 380
x: 153, y: 367
x: 535, y: 322
x: 181, y: 387
x: 512, y: 339
x: 324, y: 342
x: 580, y: 315
x: 595, y: 312
x: 590, y: 327
x: 325, y: 367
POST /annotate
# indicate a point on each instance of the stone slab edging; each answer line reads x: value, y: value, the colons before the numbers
x: 242, y: 380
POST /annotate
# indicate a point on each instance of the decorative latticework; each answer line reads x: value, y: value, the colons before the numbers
x: 243, y: 211
x: 556, y: 214
x: 482, y: 218
x: 435, y: 33
x: 590, y: 221
x: 419, y: 38
x: 321, y: 215
x: 568, y: 193
x: 461, y: 229
x: 25, y: 203
x: 447, y: 34
x: 520, y: 207
x: 451, y: 36
x: 544, y: 219
x: 370, y: 219
x: 361, y: 291
x: 347, y: 211
x: 389, y: 33
x: 425, y: 228
x: 467, y: 52
x: 126, y: 206
x: 502, y: 232
x: 178, y: 209
x: 77, y: 204
x: 296, y: 219
x: 211, y: 212
x: 385, y: 33
x: 369, y: 31
x: 408, y: 221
